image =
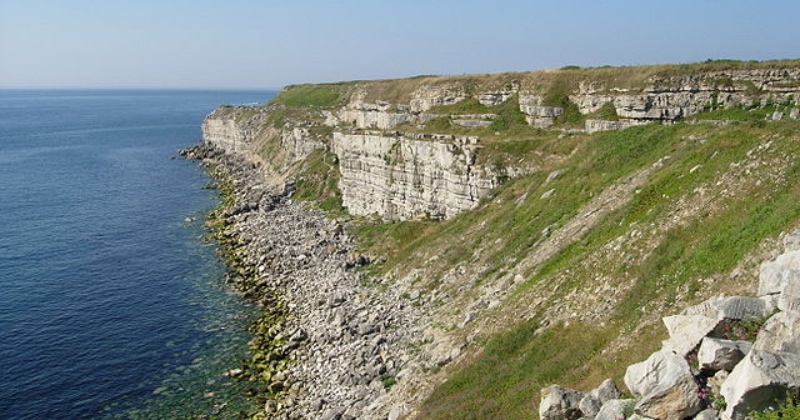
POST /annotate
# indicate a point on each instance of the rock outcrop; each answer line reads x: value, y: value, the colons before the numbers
x: 399, y: 178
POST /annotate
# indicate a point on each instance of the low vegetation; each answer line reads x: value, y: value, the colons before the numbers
x: 317, y: 181
x: 318, y: 95
x: 786, y: 410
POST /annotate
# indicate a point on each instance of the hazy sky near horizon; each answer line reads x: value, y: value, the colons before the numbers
x: 271, y: 43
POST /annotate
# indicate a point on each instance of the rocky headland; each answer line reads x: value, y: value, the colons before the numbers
x: 467, y: 213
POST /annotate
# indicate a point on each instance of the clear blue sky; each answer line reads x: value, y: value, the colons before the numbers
x: 270, y: 43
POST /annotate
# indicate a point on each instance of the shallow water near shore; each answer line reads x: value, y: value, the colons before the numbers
x: 111, y: 303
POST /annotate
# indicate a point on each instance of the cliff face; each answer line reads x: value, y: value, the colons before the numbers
x: 401, y: 178
x: 422, y: 171
x: 224, y: 132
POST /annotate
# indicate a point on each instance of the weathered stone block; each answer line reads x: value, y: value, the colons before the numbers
x: 782, y: 277
x: 760, y: 380
x: 560, y: 403
x: 614, y: 409
x: 666, y: 386
x: 717, y: 354
x: 686, y: 331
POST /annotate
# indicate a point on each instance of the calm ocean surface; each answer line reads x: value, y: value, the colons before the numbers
x: 111, y: 305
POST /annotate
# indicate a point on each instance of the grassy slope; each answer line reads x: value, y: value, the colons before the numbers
x: 747, y: 196
x: 504, y: 378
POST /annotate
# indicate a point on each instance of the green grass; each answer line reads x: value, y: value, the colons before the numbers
x: 510, y: 121
x: 606, y: 112
x: 318, y: 95
x: 506, y: 376
x: 744, y: 114
x: 503, y: 381
x: 467, y: 106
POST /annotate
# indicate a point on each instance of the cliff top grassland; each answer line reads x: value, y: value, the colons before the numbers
x: 561, y: 274
x: 552, y: 83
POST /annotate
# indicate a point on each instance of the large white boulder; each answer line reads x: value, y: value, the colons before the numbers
x: 665, y: 385
x: 758, y: 381
x: 686, y: 332
x: 770, y: 369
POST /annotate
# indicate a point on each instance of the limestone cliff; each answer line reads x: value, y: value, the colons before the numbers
x: 564, y: 247
x: 425, y: 170
x: 401, y: 178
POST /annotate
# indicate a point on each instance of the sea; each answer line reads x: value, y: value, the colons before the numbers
x: 112, y: 299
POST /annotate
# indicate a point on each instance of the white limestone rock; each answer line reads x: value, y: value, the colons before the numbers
x: 593, y: 126
x: 770, y: 369
x: 781, y: 278
x: 716, y: 354
x: 686, y: 332
x: 665, y: 385
x: 399, y: 178
x: 733, y: 307
x: 760, y: 380
x: 614, y: 409
x: 560, y: 403
x: 781, y: 333
x: 591, y: 404
x: 707, y: 414
x: 792, y: 241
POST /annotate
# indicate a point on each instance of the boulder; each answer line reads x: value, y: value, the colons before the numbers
x: 589, y: 406
x: 686, y: 331
x: 770, y: 369
x: 560, y: 403
x: 733, y: 307
x: 607, y: 391
x: 792, y: 241
x: 781, y: 333
x: 717, y: 354
x: 666, y: 386
x: 591, y: 403
x: 760, y: 380
x: 781, y: 277
x: 614, y: 409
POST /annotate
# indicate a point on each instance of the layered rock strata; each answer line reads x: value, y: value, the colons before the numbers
x: 399, y: 178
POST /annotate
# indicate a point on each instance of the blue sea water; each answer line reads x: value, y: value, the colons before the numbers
x: 111, y: 303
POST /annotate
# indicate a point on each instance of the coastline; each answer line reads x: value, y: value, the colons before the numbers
x: 327, y: 344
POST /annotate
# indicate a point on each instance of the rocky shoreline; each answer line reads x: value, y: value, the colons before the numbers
x: 330, y: 342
